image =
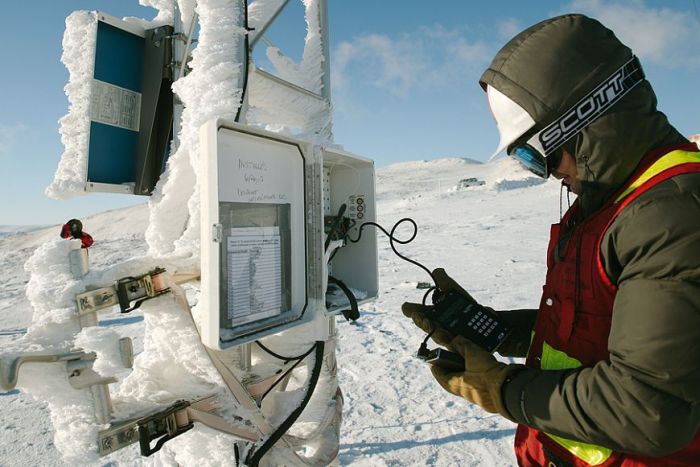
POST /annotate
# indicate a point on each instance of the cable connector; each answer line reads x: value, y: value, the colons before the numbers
x: 423, y: 352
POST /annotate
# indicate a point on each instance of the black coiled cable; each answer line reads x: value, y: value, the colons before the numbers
x: 393, y: 239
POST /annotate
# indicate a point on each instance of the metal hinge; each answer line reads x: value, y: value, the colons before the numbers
x: 217, y: 233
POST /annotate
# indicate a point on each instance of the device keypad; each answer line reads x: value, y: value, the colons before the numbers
x: 482, y: 324
x: 462, y: 316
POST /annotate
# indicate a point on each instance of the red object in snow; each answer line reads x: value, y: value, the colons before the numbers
x: 74, y: 229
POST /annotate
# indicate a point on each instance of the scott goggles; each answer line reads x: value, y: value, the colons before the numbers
x: 538, y: 154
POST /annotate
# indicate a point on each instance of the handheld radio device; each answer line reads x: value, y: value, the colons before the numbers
x: 462, y: 316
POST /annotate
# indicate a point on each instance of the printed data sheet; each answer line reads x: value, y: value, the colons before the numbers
x: 254, y: 274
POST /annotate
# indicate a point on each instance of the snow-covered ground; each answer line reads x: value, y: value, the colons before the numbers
x: 490, y: 238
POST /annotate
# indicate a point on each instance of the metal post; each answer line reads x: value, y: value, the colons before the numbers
x: 103, y: 403
x: 186, y: 52
x: 331, y: 359
x: 178, y: 50
x: 244, y: 57
x: 325, y: 46
x: 78, y: 260
x: 258, y: 33
x: 246, y: 357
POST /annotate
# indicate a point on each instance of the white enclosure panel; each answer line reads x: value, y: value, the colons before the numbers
x: 254, y: 234
x: 350, y: 179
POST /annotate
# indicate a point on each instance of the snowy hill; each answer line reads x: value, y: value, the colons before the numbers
x: 491, y: 238
x: 7, y: 230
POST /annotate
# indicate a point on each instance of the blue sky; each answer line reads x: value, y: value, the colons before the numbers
x: 404, y: 79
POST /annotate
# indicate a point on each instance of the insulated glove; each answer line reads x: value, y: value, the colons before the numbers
x: 482, y: 379
x: 522, y: 321
x: 418, y: 313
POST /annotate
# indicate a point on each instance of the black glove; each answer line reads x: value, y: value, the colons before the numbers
x: 522, y: 323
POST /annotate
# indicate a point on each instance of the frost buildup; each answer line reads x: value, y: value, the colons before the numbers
x: 210, y: 90
x: 278, y: 107
x: 79, y: 58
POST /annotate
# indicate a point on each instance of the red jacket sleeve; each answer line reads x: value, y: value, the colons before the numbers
x: 86, y: 239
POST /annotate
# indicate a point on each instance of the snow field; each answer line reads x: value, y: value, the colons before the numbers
x: 490, y: 238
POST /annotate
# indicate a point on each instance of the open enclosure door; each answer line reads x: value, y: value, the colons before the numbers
x: 131, y: 107
x: 349, y: 187
x: 254, y: 234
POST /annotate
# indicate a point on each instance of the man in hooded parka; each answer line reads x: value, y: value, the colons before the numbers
x: 612, y: 374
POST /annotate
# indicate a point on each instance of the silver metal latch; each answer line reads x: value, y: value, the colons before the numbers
x: 160, y: 426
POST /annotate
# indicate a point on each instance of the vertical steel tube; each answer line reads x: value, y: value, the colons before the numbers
x: 186, y: 52
x: 325, y: 45
x: 178, y: 49
x: 244, y: 58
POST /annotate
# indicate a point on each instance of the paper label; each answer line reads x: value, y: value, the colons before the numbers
x: 115, y: 106
x: 259, y: 171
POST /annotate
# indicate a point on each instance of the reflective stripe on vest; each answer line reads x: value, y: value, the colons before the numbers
x: 668, y: 161
x: 672, y: 160
x: 553, y: 359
